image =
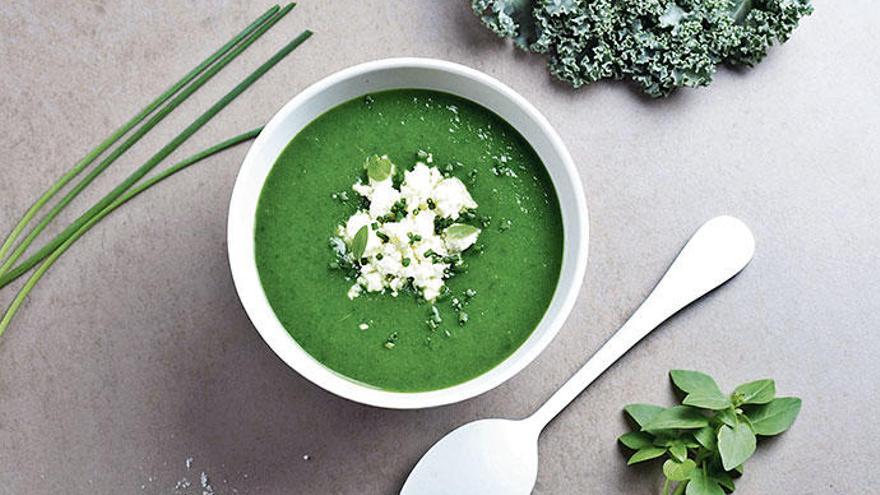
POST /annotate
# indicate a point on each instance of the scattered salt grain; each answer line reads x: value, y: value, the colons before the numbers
x: 207, y: 489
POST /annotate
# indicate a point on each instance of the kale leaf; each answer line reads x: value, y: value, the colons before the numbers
x: 662, y: 45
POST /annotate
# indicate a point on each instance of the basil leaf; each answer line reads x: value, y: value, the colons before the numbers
x: 458, y: 231
x: 678, y: 417
x: 727, y: 416
x: 690, y: 443
x: 775, y: 417
x: 646, y: 454
x: 707, y: 401
x: 706, y: 437
x: 678, y: 452
x: 378, y: 168
x: 694, y: 382
x: 725, y: 481
x: 735, y: 445
x: 701, y: 484
x: 678, y: 471
x: 636, y: 440
x: 757, y: 392
x: 359, y: 242
x: 642, y: 413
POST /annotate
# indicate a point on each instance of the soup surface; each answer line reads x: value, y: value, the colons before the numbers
x: 390, y: 342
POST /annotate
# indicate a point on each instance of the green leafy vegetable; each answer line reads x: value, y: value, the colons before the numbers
x: 701, y: 389
x: 704, y: 444
x: 735, y: 445
x: 378, y: 167
x: 359, y: 242
x: 458, y: 231
x: 775, y: 417
x: 706, y: 437
x: 661, y: 45
x: 757, y: 392
x: 682, y: 417
x: 636, y: 440
x: 702, y: 484
x: 694, y: 382
x: 646, y: 454
x: 678, y: 471
x: 642, y: 414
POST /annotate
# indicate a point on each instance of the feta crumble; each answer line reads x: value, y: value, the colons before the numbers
x: 408, y: 235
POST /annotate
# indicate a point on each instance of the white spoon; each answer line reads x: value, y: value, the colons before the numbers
x: 500, y: 456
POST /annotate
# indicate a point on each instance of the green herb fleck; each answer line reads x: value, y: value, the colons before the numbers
x: 391, y: 341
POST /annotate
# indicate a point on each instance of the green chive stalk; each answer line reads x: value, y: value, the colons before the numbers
x: 150, y: 164
x: 92, y: 155
x: 116, y: 203
x: 5, y: 268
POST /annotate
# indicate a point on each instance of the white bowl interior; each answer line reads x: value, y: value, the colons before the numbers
x: 396, y: 74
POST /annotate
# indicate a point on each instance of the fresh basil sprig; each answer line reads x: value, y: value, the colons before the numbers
x: 706, y: 440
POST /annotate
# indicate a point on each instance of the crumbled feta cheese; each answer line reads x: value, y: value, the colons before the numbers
x: 457, y: 244
x: 452, y: 197
x: 418, y: 185
x: 407, y: 250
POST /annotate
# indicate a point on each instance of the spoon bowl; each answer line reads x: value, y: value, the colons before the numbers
x: 483, y: 457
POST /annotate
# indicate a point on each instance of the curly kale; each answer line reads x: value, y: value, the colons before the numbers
x: 660, y: 44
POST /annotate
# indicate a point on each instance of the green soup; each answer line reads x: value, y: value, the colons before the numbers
x: 513, y: 276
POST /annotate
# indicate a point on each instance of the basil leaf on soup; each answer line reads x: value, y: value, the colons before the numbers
x: 359, y: 242
x: 378, y: 168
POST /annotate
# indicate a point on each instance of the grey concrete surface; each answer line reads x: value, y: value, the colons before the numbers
x: 134, y: 355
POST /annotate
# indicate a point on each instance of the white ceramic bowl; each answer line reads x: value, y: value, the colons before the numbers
x: 393, y: 74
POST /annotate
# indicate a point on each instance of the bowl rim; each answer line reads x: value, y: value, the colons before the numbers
x: 241, y: 259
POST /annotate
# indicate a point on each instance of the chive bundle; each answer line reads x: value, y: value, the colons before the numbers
x: 12, y: 249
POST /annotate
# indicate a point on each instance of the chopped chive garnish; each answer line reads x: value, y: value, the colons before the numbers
x: 128, y: 126
x: 54, y: 255
x: 391, y: 341
x: 405, y: 262
x: 150, y: 164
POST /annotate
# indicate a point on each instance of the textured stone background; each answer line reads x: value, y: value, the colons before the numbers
x: 134, y: 353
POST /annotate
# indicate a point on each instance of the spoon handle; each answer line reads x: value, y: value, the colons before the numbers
x: 716, y: 252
